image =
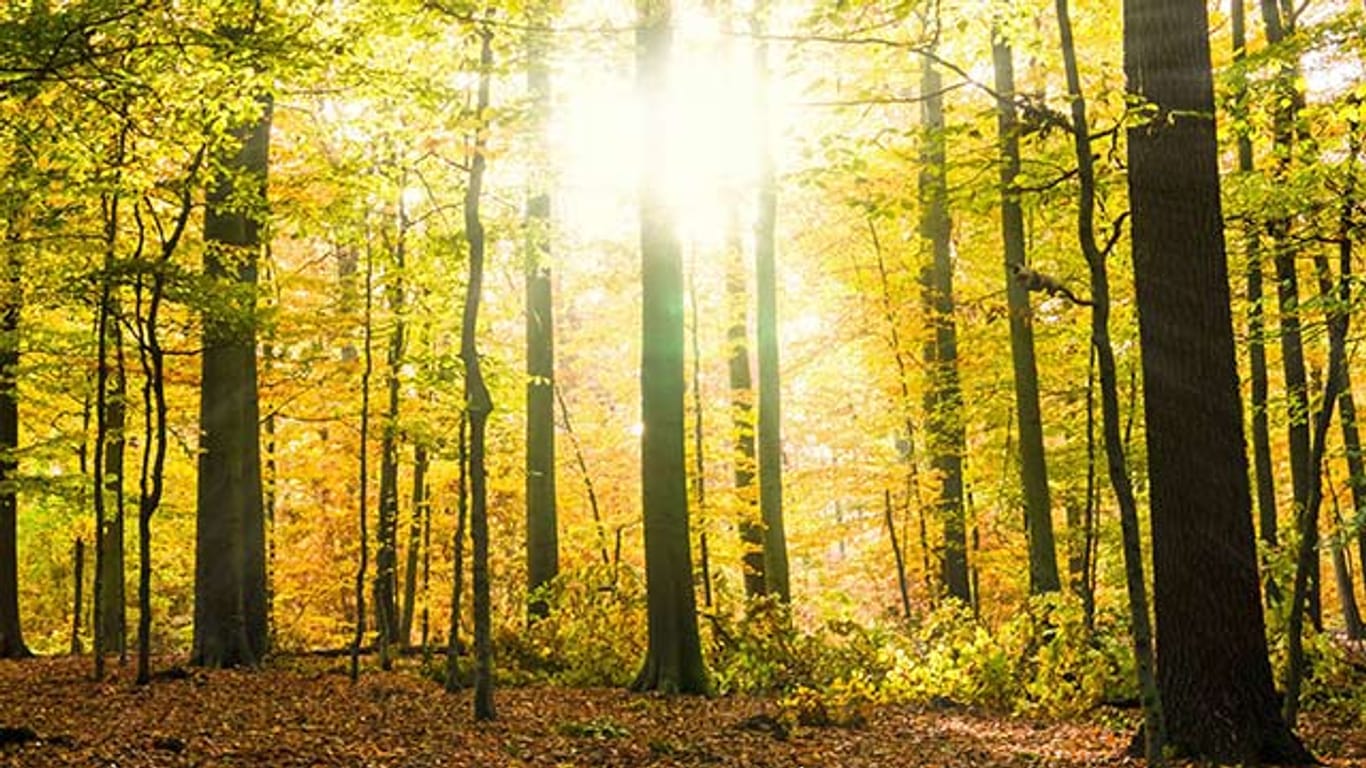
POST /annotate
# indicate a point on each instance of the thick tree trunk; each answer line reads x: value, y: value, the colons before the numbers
x: 943, y: 398
x: 673, y: 661
x: 1215, y: 679
x: 542, y: 525
x: 1043, y: 557
x: 230, y: 625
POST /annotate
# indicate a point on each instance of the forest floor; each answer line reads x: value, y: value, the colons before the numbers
x: 309, y: 714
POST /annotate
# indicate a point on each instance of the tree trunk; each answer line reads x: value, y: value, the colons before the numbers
x: 943, y: 398
x: 12, y: 644
x: 418, y: 513
x: 1154, y: 729
x: 151, y: 478
x: 363, y: 469
x: 699, y: 473
x: 477, y: 401
x: 1043, y: 557
x: 770, y: 449
x: 1288, y: 297
x: 1214, y: 676
x: 542, y: 525
x: 386, y: 552
x: 1256, y: 331
x: 673, y: 660
x: 230, y: 626
x: 113, y: 616
x: 742, y: 415
x: 78, y: 571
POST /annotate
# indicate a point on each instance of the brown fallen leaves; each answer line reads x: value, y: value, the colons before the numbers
x: 309, y: 714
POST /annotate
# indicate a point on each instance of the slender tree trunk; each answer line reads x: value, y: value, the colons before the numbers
x: 1256, y: 330
x: 1284, y: 126
x: 363, y: 494
x: 113, y: 615
x: 386, y: 554
x: 542, y: 524
x: 454, y: 681
x: 477, y: 401
x: 587, y: 477
x: 1214, y: 675
x: 418, y: 514
x: 742, y: 413
x: 1154, y: 727
x: 1339, y: 296
x: 905, y: 441
x: 943, y: 398
x: 769, y: 425
x: 673, y: 661
x: 699, y: 473
x: 896, y: 555
x: 78, y: 570
x: 1043, y: 558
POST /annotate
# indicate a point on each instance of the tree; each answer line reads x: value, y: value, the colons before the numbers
x: 1213, y: 672
x: 1256, y: 324
x: 386, y: 555
x: 542, y: 529
x: 12, y: 644
x: 1284, y: 127
x: 1154, y: 726
x: 673, y: 660
x: 770, y: 417
x: 230, y: 625
x: 943, y: 397
x: 1043, y: 557
x: 478, y: 403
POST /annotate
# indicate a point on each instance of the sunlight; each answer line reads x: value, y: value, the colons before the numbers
x: 710, y: 146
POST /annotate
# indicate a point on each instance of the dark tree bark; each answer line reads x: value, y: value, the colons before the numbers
x: 478, y: 403
x: 152, y: 356
x: 231, y: 627
x: 1284, y: 126
x: 769, y: 425
x: 454, y: 681
x: 1154, y: 730
x: 78, y: 571
x: 386, y: 552
x: 1215, y: 679
x: 542, y: 526
x: 363, y: 468
x: 418, y: 514
x: 673, y: 661
x: 943, y: 398
x: 12, y: 644
x: 1043, y: 556
x: 113, y: 616
x: 1256, y: 332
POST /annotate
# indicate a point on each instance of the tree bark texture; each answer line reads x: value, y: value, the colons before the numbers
x: 1213, y: 671
x: 673, y: 660
x: 1043, y: 556
x: 231, y: 625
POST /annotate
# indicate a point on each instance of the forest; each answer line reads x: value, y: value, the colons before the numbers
x: 682, y: 382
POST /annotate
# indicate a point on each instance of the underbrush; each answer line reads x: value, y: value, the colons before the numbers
x: 1043, y: 662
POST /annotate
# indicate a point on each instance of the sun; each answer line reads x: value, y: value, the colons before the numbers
x: 710, y: 146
